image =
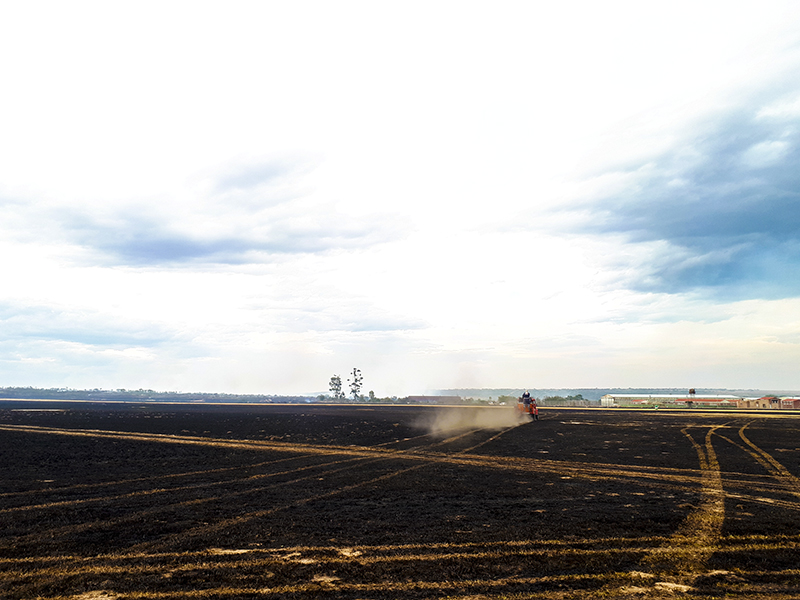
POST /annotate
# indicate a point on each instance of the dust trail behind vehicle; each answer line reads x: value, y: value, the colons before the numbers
x: 444, y: 421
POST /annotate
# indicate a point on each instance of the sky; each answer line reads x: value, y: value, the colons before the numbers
x: 250, y: 197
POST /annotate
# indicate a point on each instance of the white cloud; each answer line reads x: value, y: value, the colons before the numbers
x: 277, y: 192
x: 765, y: 154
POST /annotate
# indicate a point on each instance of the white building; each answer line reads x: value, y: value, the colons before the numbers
x: 673, y: 400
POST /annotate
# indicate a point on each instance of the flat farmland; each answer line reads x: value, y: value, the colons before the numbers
x: 102, y: 502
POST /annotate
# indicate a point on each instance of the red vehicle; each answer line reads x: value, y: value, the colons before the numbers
x: 528, y: 405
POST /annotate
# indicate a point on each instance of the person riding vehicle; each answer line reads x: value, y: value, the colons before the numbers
x: 527, y: 404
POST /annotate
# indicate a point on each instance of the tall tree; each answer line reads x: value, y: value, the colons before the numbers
x: 355, y: 383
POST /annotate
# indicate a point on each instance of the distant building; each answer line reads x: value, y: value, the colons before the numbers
x: 773, y: 402
x: 670, y: 400
x: 752, y: 403
x: 698, y: 401
x: 790, y: 403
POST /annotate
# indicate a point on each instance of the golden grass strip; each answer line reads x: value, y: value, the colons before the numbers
x: 66, y: 571
x: 544, y: 543
x: 384, y: 587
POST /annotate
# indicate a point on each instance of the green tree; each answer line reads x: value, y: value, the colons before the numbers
x: 336, y: 387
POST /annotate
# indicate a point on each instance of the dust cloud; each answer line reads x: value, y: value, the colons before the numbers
x: 443, y: 421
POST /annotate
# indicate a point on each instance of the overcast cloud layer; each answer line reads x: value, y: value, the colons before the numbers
x: 723, y: 204
x: 253, y: 198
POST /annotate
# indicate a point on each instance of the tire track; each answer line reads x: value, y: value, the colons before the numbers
x: 223, y: 524
x: 357, y: 458
x: 166, y: 476
x: 689, y: 549
x: 161, y: 490
x: 50, y: 534
x: 656, y: 476
x: 692, y: 544
x: 491, y: 439
x: 773, y: 467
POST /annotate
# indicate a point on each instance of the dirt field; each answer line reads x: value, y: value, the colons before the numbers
x: 307, y: 501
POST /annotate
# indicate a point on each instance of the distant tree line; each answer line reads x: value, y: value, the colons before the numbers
x: 576, y: 400
x: 140, y: 395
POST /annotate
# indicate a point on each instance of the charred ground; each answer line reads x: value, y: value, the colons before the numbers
x: 313, y: 501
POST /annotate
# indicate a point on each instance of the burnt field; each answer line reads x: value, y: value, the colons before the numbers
x: 311, y: 501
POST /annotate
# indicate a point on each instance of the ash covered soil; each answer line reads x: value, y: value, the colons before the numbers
x: 313, y: 501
